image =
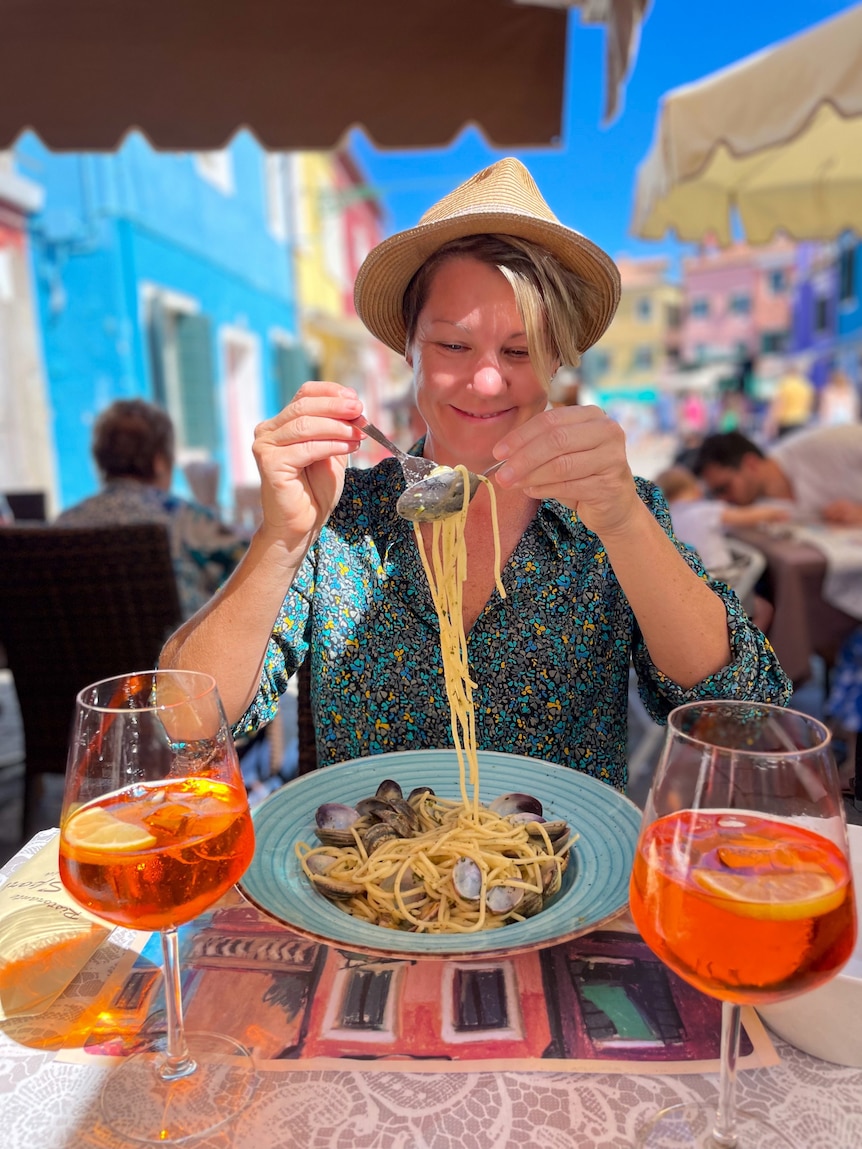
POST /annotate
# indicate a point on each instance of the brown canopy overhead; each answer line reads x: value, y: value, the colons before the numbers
x: 298, y: 73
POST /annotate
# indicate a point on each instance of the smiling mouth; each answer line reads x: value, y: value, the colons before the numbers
x: 481, y: 415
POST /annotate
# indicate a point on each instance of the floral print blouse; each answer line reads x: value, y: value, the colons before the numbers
x: 550, y: 661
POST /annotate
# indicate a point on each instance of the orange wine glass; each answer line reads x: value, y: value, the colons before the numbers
x: 155, y: 828
x: 742, y: 882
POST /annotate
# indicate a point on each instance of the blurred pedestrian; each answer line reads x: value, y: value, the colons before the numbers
x: 839, y: 400
x: 792, y: 405
x: 133, y: 447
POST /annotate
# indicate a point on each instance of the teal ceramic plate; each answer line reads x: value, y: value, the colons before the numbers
x: 595, y: 885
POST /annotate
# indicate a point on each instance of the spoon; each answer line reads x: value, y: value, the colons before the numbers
x: 439, y: 495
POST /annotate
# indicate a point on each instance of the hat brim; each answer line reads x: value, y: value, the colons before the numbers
x: 387, y: 270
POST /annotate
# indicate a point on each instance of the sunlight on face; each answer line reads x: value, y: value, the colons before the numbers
x: 472, y: 371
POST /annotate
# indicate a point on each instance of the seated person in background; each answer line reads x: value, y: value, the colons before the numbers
x: 133, y: 446
x: 702, y: 523
x: 819, y: 471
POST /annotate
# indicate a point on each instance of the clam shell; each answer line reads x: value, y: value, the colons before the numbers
x: 515, y: 803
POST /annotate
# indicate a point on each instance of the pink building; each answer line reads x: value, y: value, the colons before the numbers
x: 738, y: 302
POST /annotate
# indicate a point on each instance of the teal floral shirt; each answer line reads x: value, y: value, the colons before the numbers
x: 551, y: 660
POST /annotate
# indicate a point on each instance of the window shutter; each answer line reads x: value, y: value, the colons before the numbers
x: 156, y: 348
x: 197, y: 382
x: 291, y: 368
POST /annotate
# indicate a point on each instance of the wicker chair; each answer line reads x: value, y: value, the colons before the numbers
x: 305, y: 721
x: 78, y: 605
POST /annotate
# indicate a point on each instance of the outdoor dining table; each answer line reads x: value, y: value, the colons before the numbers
x: 804, y: 622
x: 50, y: 1101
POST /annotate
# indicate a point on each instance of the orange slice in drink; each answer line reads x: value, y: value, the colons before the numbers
x: 783, y: 895
x: 96, y: 830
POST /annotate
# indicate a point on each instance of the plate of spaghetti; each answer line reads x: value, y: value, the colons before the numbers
x: 505, y: 853
x: 592, y: 891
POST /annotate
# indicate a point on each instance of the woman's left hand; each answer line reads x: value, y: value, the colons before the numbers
x: 576, y: 455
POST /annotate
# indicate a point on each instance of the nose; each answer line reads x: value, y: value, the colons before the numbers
x: 488, y: 379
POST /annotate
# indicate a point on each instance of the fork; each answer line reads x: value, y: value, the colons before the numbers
x: 413, y: 466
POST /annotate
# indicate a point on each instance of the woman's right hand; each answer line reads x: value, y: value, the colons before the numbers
x: 301, y: 455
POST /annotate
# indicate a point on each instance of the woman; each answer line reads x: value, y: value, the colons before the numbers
x: 486, y: 297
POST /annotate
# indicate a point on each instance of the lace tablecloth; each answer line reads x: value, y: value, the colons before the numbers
x: 46, y: 1103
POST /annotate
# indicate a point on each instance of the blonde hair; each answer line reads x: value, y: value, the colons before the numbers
x: 676, y: 481
x: 552, y: 300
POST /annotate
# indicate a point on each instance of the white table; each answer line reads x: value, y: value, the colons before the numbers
x: 51, y: 1104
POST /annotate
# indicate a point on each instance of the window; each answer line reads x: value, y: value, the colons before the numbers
x: 597, y: 363
x: 700, y: 308
x: 847, y: 273
x: 217, y: 169
x: 643, y: 358
x: 673, y: 316
x: 275, y: 186
x: 740, y: 303
x: 180, y: 344
x: 643, y: 308
x: 625, y: 1002
x: 480, y: 999
x: 821, y: 314
x: 773, y: 342
x: 291, y: 367
x: 777, y: 281
x: 364, y: 1002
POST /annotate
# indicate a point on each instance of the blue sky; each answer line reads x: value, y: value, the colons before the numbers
x: 589, y: 180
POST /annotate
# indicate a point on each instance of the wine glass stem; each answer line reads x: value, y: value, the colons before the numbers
x: 724, y: 1131
x: 178, y: 1063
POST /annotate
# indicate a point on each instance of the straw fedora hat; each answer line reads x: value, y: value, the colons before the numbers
x: 502, y: 199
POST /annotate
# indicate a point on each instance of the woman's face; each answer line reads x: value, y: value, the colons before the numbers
x: 472, y: 371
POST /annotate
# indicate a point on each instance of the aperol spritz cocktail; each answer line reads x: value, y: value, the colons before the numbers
x: 155, y: 828
x: 157, y: 854
x: 741, y: 882
x: 745, y: 908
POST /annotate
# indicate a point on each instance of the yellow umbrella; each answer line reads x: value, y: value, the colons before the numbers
x: 776, y: 137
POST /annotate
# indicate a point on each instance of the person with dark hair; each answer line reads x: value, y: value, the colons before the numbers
x: 486, y: 298
x: 133, y: 447
x: 817, y: 473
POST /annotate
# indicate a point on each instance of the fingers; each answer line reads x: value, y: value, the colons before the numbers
x: 561, y: 446
x: 317, y: 423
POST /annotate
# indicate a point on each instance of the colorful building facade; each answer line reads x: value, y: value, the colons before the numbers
x: 26, y: 448
x: 643, y: 341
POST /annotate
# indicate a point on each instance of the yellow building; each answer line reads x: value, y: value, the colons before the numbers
x: 336, y: 220
x: 642, y: 342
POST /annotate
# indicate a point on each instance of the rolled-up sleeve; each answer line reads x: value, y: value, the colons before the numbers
x: 285, y: 651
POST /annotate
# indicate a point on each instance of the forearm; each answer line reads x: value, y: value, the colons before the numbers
x: 228, y: 637
x: 683, y: 622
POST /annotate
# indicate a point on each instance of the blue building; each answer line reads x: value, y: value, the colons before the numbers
x: 848, y: 342
x: 815, y: 308
x: 167, y: 277
x: 827, y: 308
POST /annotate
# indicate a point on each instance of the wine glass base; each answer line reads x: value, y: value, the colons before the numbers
x: 690, y: 1127
x: 141, y: 1106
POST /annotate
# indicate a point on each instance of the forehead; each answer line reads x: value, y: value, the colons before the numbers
x: 718, y: 477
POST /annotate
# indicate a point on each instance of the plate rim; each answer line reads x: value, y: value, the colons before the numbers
x: 453, y: 951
